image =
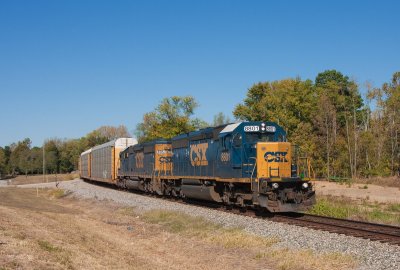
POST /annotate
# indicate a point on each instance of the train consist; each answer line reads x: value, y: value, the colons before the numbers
x: 247, y: 164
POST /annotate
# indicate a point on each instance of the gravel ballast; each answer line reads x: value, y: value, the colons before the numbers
x: 371, y: 255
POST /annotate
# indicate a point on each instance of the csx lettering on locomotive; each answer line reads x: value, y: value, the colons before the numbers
x: 275, y: 157
x: 198, y: 154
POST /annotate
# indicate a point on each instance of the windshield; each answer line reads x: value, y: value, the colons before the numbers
x: 259, y: 137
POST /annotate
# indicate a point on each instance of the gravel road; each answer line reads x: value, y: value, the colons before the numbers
x: 372, y: 255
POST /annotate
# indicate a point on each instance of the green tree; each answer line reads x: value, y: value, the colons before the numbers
x: 95, y: 138
x: 69, y: 154
x: 221, y: 119
x: 341, y: 105
x: 19, y: 158
x: 392, y: 116
x: 290, y: 103
x: 52, y: 155
x: 7, y: 153
x: 171, y: 117
x: 36, y: 160
x: 323, y: 118
x: 2, y: 162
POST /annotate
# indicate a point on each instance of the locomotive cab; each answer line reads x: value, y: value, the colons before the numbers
x: 280, y: 178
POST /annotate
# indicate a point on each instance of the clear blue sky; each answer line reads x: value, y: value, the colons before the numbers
x: 68, y: 67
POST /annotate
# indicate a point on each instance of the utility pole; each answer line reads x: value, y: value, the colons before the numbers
x: 44, y: 164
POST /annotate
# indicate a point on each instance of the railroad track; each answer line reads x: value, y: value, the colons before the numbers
x: 372, y: 231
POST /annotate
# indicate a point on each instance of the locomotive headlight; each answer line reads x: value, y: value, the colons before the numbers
x: 305, y: 185
x: 275, y: 185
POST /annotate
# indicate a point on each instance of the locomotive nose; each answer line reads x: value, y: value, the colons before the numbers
x: 273, y: 160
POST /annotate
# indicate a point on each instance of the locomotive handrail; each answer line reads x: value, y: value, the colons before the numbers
x: 251, y: 176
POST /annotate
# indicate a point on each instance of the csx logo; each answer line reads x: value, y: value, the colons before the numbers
x: 198, y: 154
x: 275, y: 157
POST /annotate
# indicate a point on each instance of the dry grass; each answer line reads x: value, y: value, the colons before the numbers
x: 259, y: 247
x: 49, y: 230
x: 306, y: 259
x: 198, y: 227
x: 33, y: 179
x: 392, y: 181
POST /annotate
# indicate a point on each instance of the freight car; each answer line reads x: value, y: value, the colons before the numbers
x: 101, y: 162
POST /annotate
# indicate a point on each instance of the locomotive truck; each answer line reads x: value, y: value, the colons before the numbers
x: 246, y: 164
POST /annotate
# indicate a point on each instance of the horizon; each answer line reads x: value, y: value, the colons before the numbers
x: 61, y: 60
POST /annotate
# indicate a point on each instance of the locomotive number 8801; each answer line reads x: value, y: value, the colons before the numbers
x: 247, y: 164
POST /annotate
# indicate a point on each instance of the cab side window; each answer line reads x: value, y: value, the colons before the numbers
x: 227, y: 141
x: 237, y: 140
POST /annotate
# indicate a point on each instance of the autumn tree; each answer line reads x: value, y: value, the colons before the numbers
x: 392, y: 106
x: 323, y: 118
x: 290, y: 103
x: 52, y: 155
x: 344, y: 96
x: 173, y: 116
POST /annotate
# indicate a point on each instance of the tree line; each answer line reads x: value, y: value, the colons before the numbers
x: 344, y: 133
x: 60, y: 155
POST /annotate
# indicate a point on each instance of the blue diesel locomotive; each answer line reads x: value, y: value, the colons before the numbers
x: 247, y: 164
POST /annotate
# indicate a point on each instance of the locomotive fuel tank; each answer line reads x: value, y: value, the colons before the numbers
x: 195, y: 189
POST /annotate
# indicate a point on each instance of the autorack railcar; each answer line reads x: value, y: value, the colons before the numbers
x: 101, y: 162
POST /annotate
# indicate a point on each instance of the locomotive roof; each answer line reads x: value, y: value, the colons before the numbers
x: 158, y: 141
x: 222, y: 130
x: 201, y: 133
x: 230, y: 127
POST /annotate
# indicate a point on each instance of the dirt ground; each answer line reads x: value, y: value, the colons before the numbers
x: 42, y: 233
x: 369, y: 192
x: 32, y: 179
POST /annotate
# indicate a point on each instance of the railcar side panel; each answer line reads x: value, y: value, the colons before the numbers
x: 105, y: 159
x: 84, y: 164
x: 102, y: 161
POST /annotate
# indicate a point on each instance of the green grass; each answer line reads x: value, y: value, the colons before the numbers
x: 47, y: 246
x: 61, y: 256
x: 347, y: 209
x: 326, y: 207
x: 394, y: 207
